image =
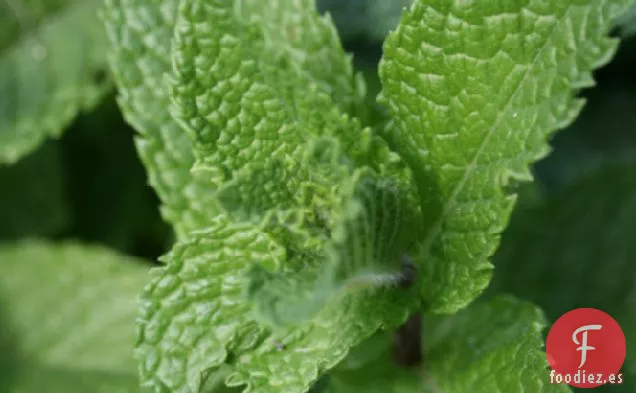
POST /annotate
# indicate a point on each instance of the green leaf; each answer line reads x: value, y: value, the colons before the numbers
x: 346, y: 229
x: 237, y: 108
x: 18, y: 17
x: 195, y: 318
x: 312, y: 43
x: 256, y: 104
x: 36, y: 379
x: 292, y: 359
x: 33, y: 199
x: 52, y: 65
x: 494, y: 346
x: 577, y: 250
x: 193, y: 312
x: 249, y: 90
x: 475, y: 90
x: 282, y: 184
x: 372, y: 228
x: 140, y: 33
x: 73, y: 325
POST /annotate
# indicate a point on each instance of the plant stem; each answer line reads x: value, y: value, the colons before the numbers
x: 407, y: 342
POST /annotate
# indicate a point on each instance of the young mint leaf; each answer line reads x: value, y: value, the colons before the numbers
x: 474, y: 92
x: 254, y: 104
x: 140, y: 34
x: 249, y: 93
x: 577, y: 250
x: 303, y: 207
x: 50, y: 70
x: 494, y: 346
x: 312, y: 43
x: 311, y: 182
x: 372, y: 229
x: 73, y: 325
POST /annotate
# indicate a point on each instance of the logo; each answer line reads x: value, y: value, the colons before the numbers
x: 585, y: 349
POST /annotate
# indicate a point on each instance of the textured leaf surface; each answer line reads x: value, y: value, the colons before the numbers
x: 73, y: 325
x: 194, y: 312
x: 195, y: 318
x: 140, y: 33
x: 52, y: 63
x: 250, y: 91
x: 254, y: 101
x: 577, y: 250
x: 292, y: 359
x: 343, y: 229
x: 312, y: 43
x: 489, y: 347
x: 372, y: 230
x: 475, y: 91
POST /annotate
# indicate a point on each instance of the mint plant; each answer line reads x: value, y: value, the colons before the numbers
x: 310, y: 201
x: 317, y: 237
